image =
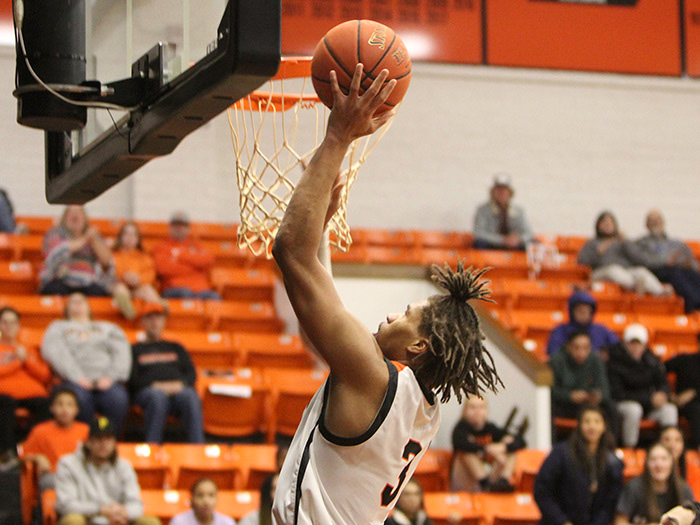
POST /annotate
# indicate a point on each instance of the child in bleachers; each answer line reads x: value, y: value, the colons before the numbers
x: 50, y: 440
x: 204, y: 496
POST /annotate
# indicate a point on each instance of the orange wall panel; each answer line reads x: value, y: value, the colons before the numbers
x: 642, y: 39
x: 433, y: 30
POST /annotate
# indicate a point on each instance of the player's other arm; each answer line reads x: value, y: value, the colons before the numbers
x: 341, y: 340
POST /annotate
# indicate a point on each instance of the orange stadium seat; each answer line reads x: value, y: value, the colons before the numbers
x: 149, y: 462
x: 215, y: 231
x: 187, y: 314
x: 153, y: 230
x: 449, y: 240
x: 241, y: 316
x: 355, y: 254
x: 228, y: 254
x: 567, y: 270
x: 235, y: 405
x: 570, y: 244
x: 527, y: 464
x: 649, y: 304
x: 257, y: 461
x: 26, y: 248
x: 105, y: 309
x: 386, y: 238
x: 17, y: 277
x: 208, y: 350
x: 633, y: 460
x: 431, y: 472
x: 7, y: 247
x: 506, y: 264
x: 165, y: 504
x: 36, y: 225
x: 439, y: 256
x: 291, y: 392
x: 37, y: 310
x: 441, y: 507
x: 237, y: 503
x: 48, y: 507
x: 190, y: 462
x: 616, y: 321
x: 242, y: 284
x: 679, y: 329
x: 376, y: 254
x: 538, y: 294
x: 508, y: 509
x: 271, y: 350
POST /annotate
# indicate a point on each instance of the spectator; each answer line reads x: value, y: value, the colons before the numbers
x: 76, y: 258
x: 92, y: 358
x: 162, y: 380
x: 579, y: 379
x: 204, y: 497
x: 611, y: 258
x: 498, y: 224
x: 183, y: 264
x: 7, y: 213
x: 645, y: 498
x: 24, y: 377
x: 672, y: 438
x: 686, y: 367
x: 582, y: 308
x: 94, y: 485
x: 263, y: 516
x: 49, y: 441
x: 581, y: 479
x: 410, y: 509
x: 638, y: 384
x: 484, y: 453
x: 135, y: 270
x: 670, y: 260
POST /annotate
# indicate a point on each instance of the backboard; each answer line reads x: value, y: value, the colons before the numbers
x: 182, y: 62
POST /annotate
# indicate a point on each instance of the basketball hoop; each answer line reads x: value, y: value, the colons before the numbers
x: 275, y: 132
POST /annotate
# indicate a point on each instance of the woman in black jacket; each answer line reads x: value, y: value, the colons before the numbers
x: 581, y: 479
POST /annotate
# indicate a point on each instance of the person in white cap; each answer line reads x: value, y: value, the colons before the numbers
x: 499, y: 224
x: 638, y: 384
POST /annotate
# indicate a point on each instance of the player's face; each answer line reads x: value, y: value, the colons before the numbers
x: 64, y: 409
x: 579, y: 348
x: 592, y: 426
x: 672, y: 439
x: 9, y: 326
x: 400, y: 331
x: 204, y: 501
x: 476, y: 411
x: 660, y: 463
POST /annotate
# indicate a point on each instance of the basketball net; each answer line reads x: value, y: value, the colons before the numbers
x: 275, y: 132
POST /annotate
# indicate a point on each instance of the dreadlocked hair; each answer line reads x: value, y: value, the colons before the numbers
x: 456, y: 361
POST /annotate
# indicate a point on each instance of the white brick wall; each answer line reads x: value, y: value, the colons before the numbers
x: 574, y: 143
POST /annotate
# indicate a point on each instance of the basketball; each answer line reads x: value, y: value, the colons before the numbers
x: 373, y: 44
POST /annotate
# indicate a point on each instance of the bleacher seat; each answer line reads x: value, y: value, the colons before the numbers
x: 258, y: 350
x: 18, y: 278
x: 244, y: 284
x: 241, y: 316
x: 527, y: 464
x: 508, y: 509
x: 257, y: 462
x: 190, y: 462
x: 441, y: 507
x: 149, y: 462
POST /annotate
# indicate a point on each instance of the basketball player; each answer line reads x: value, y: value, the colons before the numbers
x: 367, y: 428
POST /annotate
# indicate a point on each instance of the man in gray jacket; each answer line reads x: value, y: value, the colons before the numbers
x: 498, y: 224
x: 670, y: 260
x: 95, y: 486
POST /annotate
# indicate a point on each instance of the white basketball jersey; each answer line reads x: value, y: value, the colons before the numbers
x: 330, y: 480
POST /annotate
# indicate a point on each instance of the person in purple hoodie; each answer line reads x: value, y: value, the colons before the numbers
x: 582, y: 307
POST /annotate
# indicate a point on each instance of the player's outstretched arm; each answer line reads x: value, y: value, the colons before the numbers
x: 342, y: 341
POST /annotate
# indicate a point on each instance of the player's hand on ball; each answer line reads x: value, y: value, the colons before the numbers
x: 352, y: 115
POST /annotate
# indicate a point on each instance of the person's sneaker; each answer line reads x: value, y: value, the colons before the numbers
x: 484, y: 484
x: 8, y: 461
x: 501, y: 485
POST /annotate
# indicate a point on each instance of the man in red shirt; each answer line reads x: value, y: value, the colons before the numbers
x: 24, y: 377
x: 183, y: 264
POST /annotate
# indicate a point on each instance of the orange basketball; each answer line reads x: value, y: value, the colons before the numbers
x: 355, y: 41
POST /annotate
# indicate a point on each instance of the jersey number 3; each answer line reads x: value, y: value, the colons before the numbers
x: 410, y: 451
